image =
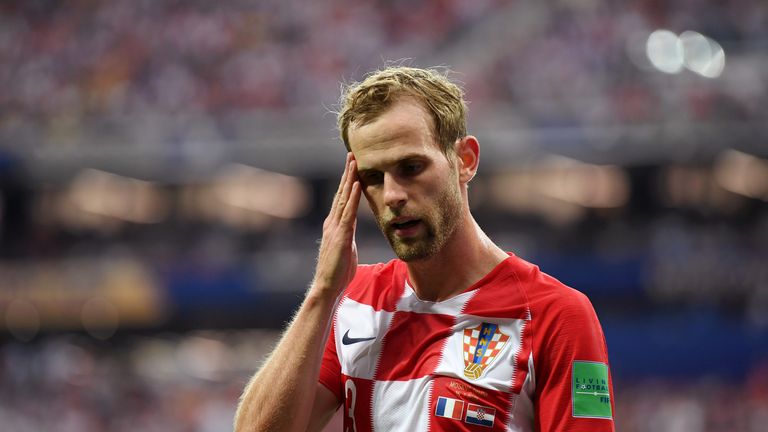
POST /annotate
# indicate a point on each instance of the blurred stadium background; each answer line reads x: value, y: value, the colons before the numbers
x: 165, y: 167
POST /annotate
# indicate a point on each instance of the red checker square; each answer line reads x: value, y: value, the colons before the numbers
x: 372, y: 287
x: 488, y: 303
x: 412, y: 347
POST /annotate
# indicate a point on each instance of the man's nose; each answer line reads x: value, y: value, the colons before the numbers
x: 395, y: 195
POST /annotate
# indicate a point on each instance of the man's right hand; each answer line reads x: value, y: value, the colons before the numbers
x: 337, y: 258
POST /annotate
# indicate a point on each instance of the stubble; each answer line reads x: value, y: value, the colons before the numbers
x: 439, y: 222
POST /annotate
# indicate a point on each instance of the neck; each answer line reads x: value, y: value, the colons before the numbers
x: 467, y: 256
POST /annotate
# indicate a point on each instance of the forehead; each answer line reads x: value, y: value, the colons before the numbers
x: 404, y: 128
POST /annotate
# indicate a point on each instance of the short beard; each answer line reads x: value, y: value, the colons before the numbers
x: 438, y: 232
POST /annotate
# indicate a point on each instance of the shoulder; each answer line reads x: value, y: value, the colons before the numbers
x: 564, y: 334
x: 547, y: 295
x: 560, y: 315
x: 563, y: 325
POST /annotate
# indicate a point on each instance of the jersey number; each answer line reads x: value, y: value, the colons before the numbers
x: 350, y: 394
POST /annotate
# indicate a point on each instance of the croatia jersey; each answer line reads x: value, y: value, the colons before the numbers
x: 517, y: 351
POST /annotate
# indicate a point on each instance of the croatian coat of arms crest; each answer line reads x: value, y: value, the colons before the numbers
x: 482, y: 345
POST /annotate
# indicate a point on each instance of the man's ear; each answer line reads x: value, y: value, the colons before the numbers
x: 468, y: 157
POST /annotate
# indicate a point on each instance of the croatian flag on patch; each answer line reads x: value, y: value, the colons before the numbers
x: 450, y: 408
x: 480, y: 415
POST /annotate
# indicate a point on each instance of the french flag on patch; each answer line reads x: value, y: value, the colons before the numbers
x: 450, y: 408
x: 480, y: 415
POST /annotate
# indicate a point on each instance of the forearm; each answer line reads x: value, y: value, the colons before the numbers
x: 287, y: 382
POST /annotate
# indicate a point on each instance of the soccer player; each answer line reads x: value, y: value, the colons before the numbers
x: 454, y: 335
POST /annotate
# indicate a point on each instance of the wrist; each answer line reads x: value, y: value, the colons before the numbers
x: 323, y: 292
x: 328, y: 284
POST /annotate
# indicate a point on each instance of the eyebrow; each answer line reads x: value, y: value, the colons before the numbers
x: 392, y: 162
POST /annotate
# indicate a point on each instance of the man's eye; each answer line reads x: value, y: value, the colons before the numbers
x: 412, y: 168
x: 371, y: 178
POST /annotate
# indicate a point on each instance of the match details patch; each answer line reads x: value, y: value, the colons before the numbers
x: 590, y: 392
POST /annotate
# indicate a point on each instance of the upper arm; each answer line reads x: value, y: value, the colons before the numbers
x: 323, y: 408
x: 572, y: 353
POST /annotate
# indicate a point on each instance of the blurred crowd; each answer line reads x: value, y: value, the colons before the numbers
x: 151, y: 383
x: 587, y: 63
x: 67, y: 65
x: 708, y: 405
x: 190, y: 383
x: 129, y: 57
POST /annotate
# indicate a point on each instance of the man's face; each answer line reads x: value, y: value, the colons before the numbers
x: 411, y: 187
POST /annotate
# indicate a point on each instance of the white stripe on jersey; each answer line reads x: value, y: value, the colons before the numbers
x: 409, y: 302
x: 362, y: 321
x: 402, y: 405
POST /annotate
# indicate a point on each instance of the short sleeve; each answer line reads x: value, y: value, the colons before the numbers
x: 574, y: 391
x: 330, y: 368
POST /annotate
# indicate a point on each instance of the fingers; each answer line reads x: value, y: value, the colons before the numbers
x: 349, y: 216
x: 342, y: 199
x: 341, y: 182
x: 337, y: 255
x: 347, y: 187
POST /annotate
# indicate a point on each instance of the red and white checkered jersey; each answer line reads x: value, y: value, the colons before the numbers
x: 497, y: 357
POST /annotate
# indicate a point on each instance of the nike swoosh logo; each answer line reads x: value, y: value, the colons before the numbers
x: 346, y: 340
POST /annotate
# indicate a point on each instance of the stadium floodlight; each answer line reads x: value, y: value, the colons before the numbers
x: 670, y: 53
x: 665, y: 51
x: 702, y: 55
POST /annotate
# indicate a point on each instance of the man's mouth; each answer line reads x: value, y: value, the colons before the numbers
x: 406, y: 224
x: 405, y: 227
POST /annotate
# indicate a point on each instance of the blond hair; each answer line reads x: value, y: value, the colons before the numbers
x: 362, y: 103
